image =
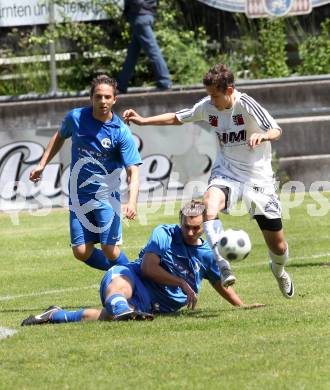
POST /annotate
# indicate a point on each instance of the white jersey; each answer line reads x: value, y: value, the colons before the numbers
x: 233, y: 127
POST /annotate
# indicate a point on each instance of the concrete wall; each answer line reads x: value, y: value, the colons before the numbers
x: 301, y: 106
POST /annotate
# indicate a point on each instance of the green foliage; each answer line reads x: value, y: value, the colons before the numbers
x: 27, y: 76
x: 272, y: 56
x: 187, y: 52
x: 314, y: 52
x: 80, y: 39
x: 93, y: 49
x: 239, y: 52
x: 256, y: 49
x: 260, y: 50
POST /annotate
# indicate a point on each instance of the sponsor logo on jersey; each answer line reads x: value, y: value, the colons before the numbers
x: 233, y: 136
x: 238, y: 119
x: 106, y: 143
x: 213, y: 120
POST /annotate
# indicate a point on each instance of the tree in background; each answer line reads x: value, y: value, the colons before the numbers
x: 271, y: 57
x: 314, y: 52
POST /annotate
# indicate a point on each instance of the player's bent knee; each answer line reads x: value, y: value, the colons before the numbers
x: 82, y: 252
x: 280, y: 248
x: 111, y: 251
x: 215, y: 200
x: 122, y: 284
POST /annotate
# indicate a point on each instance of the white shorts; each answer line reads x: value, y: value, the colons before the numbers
x: 258, y: 200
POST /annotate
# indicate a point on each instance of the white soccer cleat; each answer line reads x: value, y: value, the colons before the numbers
x: 226, y: 277
x: 285, y: 283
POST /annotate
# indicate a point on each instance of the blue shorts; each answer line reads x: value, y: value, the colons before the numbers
x: 101, y: 225
x: 140, y: 298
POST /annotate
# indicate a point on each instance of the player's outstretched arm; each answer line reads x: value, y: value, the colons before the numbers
x: 55, y: 144
x: 152, y: 269
x: 158, y: 120
x: 230, y: 295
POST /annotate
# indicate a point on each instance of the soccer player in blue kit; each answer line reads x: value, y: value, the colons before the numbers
x: 166, y: 277
x: 101, y: 146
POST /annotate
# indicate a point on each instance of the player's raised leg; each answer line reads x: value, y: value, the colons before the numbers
x: 215, y: 201
x: 279, y: 255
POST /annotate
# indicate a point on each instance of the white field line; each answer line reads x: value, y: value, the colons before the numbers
x: 318, y: 256
x: 6, y: 332
x: 49, y: 292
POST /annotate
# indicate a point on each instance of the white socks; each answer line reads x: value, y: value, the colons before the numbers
x: 279, y: 261
x: 213, y: 230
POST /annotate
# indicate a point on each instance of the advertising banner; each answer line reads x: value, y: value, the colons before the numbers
x: 33, y: 12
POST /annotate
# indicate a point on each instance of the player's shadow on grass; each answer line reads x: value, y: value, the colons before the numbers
x: 309, y: 264
x: 197, y: 313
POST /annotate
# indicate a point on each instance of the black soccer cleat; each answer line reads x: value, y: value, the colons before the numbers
x: 42, y: 318
x: 134, y: 315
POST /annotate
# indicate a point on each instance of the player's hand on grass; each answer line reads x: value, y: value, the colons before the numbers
x: 252, y: 306
x: 256, y: 139
x: 191, y: 295
x: 35, y: 175
x: 129, y: 211
x: 132, y: 116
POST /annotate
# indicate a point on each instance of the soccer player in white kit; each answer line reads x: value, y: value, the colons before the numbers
x: 242, y: 169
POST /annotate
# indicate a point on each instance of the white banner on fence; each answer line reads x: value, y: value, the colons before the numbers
x: 33, y: 12
x: 241, y: 5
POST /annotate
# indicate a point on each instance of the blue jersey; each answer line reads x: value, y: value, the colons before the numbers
x: 99, y: 152
x: 192, y: 263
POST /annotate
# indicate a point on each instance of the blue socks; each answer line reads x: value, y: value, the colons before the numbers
x: 67, y: 316
x: 98, y: 260
x: 122, y: 259
x: 116, y: 304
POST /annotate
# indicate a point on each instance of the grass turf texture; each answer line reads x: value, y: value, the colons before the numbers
x: 285, y: 345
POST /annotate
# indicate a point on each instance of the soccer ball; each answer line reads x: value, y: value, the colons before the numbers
x: 234, y: 245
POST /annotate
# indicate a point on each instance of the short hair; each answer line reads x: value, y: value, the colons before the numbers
x: 103, y: 79
x: 220, y: 77
x: 194, y: 208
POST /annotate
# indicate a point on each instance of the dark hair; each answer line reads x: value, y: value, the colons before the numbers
x: 103, y: 79
x: 219, y: 76
x: 194, y: 208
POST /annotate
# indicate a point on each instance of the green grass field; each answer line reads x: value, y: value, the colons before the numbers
x: 285, y: 345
